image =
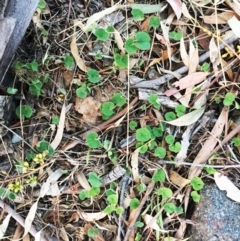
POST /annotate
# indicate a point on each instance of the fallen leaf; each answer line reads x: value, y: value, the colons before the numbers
x: 75, y: 53
x: 234, y: 5
x: 119, y: 41
x: 234, y: 24
x: 185, y: 11
x: 134, y: 164
x: 30, y: 217
x: 89, y: 108
x: 191, y: 80
x: 83, y: 181
x: 214, y: 54
x: 225, y: 184
x: 176, y: 6
x: 4, y: 225
x: 147, y: 219
x: 221, y: 18
x: 208, y: 146
x: 89, y: 217
x: 178, y: 180
x: 147, y: 8
x: 58, y: 138
x: 97, y: 16
x: 188, y: 118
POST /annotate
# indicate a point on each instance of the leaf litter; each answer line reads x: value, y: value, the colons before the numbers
x: 114, y: 191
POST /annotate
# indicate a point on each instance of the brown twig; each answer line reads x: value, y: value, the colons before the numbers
x: 19, y: 219
x: 101, y: 127
x: 131, y: 226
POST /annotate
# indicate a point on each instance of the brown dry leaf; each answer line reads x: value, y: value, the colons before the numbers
x: 221, y: 18
x: 18, y: 233
x: 176, y: 6
x: 185, y: 11
x: 225, y: 184
x: 148, y: 218
x: 83, y: 181
x: 74, y: 50
x: 145, y: 24
x: 89, y: 108
x: 26, y: 238
x: 64, y: 234
x: 119, y: 41
x: 89, y: 217
x: 134, y: 164
x: 191, y: 80
x: 208, y: 146
x: 181, y: 230
x: 188, y: 118
x: 57, y: 139
x: 203, y: 39
x: 214, y: 54
x: 178, y: 180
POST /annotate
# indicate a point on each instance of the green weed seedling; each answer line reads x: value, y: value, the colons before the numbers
x: 165, y: 193
x: 93, y: 76
x: 35, y: 87
x: 83, y: 91
x: 6, y: 193
x: 111, y: 152
x: 205, y: 67
x: 160, y: 152
x: 169, y: 116
x: 236, y: 141
x: 197, y: 184
x: 173, y: 146
x: 159, y: 176
x: 24, y: 111
x: 154, y: 22
x: 42, y: 5
x: 121, y: 61
x: 92, y: 140
x: 44, y: 147
x: 55, y: 120
x: 134, y: 203
x: 68, y: 61
x: 228, y: 99
x: 141, y: 41
x: 101, y: 34
x: 133, y: 125
x: 12, y: 91
x: 137, y: 14
x: 153, y: 100
x: 95, y: 182
x: 107, y: 108
x: 92, y: 232
x: 176, y: 35
x: 180, y: 110
x: 32, y: 66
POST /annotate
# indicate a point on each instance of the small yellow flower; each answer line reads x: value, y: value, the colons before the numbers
x: 16, y: 187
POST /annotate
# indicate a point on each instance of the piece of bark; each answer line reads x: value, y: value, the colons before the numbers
x: 22, y: 11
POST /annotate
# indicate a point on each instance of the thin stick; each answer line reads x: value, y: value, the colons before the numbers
x: 139, y: 209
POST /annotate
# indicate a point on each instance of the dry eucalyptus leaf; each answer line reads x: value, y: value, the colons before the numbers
x: 225, y: 184
x: 178, y: 180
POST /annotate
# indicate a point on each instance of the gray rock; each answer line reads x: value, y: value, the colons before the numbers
x: 217, y: 217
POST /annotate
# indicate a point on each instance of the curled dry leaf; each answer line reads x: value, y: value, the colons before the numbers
x: 58, y: 138
x: 4, y: 225
x: 30, y: 217
x: 208, y: 146
x: 75, y: 53
x: 221, y: 18
x: 83, y: 181
x: 188, y: 118
x: 225, y: 184
x: 147, y: 219
x: 176, y: 6
x: 134, y: 163
x: 89, y: 217
x: 178, y: 180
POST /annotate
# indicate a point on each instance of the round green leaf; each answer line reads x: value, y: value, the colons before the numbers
x: 143, y: 134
